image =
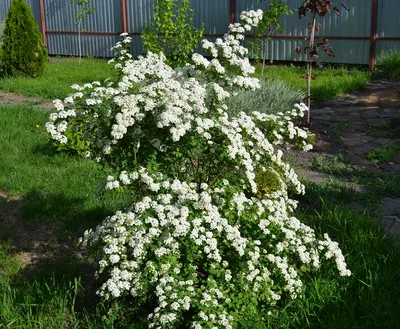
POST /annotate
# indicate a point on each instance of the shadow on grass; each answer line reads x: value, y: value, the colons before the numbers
x: 48, y: 207
x: 43, y: 281
x: 371, y: 297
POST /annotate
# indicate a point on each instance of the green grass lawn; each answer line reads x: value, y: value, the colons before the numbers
x: 60, y: 74
x: 54, y: 185
x: 328, y: 83
x: 63, y: 72
x: 47, y: 189
x: 49, y: 198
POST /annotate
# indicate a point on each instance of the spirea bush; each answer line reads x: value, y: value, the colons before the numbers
x: 211, y: 228
x: 22, y: 50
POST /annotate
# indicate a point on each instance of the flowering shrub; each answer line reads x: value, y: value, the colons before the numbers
x: 211, y: 218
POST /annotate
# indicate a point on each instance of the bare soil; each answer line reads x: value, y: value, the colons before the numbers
x: 8, y: 98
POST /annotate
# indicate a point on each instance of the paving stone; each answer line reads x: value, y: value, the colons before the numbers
x: 356, y: 125
x: 378, y: 133
x: 390, y: 225
x: 357, y: 108
x: 323, y: 111
x: 390, y: 113
x: 385, y: 166
x: 370, y: 114
x: 390, y: 207
x: 349, y: 142
x: 393, y: 142
x: 313, y: 176
x: 394, y: 228
x: 395, y: 166
x: 320, y: 117
x: 340, y: 118
x: 356, y: 160
x: 363, y: 149
x: 355, y: 187
x: 352, y: 116
x: 375, y: 122
x: 382, y: 141
x: 355, y: 139
x: 372, y: 168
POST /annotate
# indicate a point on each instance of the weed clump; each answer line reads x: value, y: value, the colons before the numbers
x: 389, y: 64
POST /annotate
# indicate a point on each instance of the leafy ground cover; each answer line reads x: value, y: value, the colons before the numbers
x: 58, y: 77
x: 382, y: 154
x: 57, y: 193
x: 328, y: 83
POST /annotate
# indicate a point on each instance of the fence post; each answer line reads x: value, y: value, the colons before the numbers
x: 43, y: 22
x: 123, y: 16
x: 374, y: 27
x: 232, y: 11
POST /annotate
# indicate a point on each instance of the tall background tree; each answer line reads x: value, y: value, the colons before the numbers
x: 23, y: 51
x: 84, y: 8
x: 172, y: 31
x: 316, y: 8
x: 271, y: 23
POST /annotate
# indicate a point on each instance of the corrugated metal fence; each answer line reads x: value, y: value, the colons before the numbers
x: 357, y: 36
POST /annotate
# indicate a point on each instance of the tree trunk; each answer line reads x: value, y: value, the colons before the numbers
x: 265, y: 49
x: 79, y: 42
x: 309, y: 67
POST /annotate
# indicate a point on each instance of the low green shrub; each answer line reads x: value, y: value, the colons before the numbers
x: 389, y: 64
x: 274, y: 96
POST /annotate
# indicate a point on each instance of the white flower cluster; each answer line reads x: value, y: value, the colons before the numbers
x: 143, y: 248
x: 251, y: 18
x: 57, y: 125
x: 191, y: 242
x: 121, y: 50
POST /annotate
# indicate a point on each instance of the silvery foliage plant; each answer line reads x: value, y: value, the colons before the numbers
x: 211, y: 227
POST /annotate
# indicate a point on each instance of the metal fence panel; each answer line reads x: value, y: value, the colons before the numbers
x: 139, y: 13
x: 106, y: 22
x: 353, y: 23
x: 59, y: 16
x: 388, y: 27
x: 92, y: 45
x: 5, y: 7
x: 347, y: 51
x: 214, y: 14
x: 388, y: 18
